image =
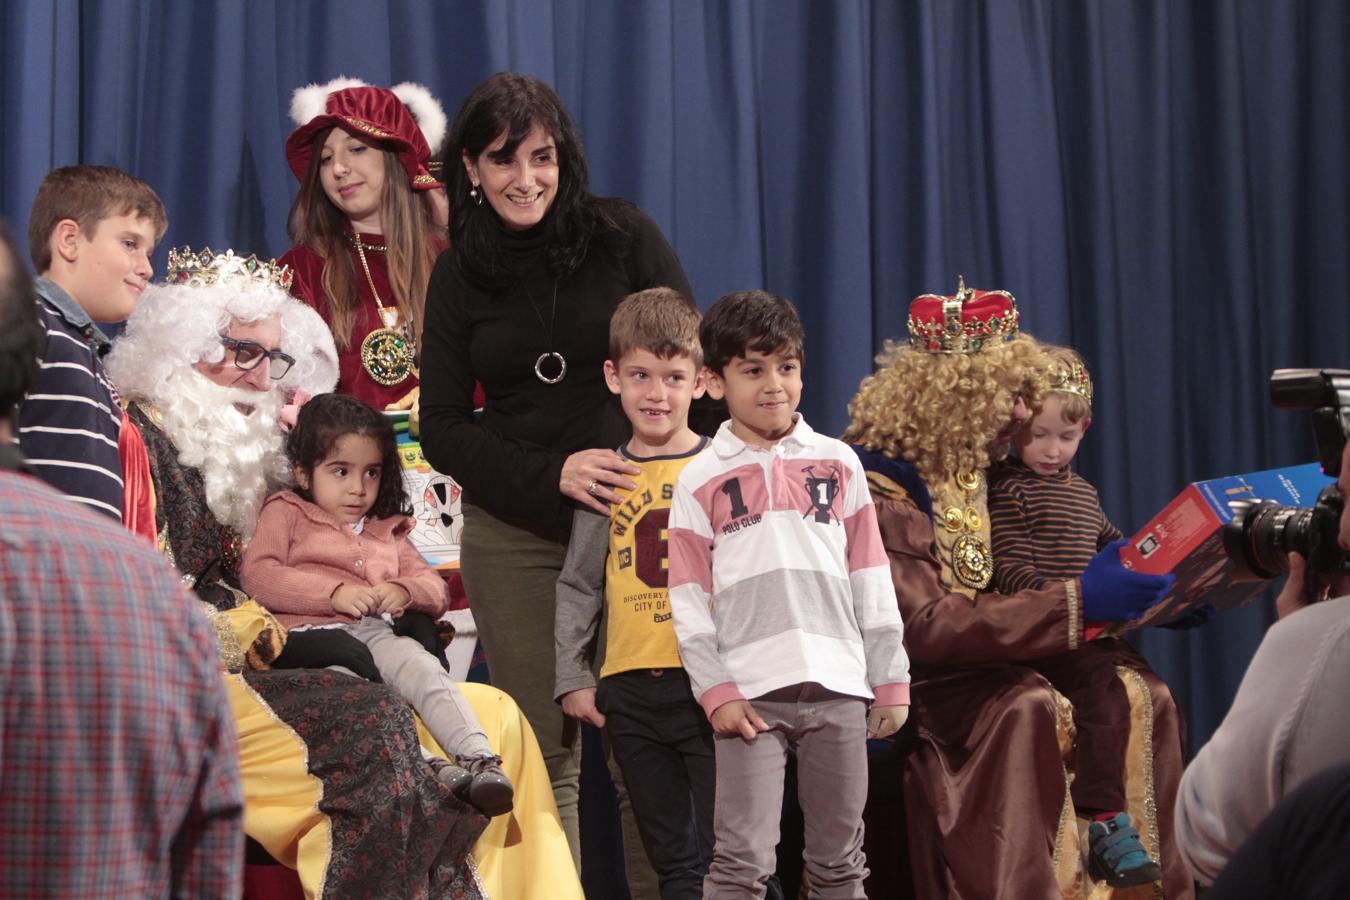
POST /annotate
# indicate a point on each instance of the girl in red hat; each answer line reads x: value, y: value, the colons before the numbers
x: 368, y: 223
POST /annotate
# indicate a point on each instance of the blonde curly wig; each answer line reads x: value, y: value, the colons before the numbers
x: 943, y: 411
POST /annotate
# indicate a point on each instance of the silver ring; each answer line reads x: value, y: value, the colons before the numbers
x: 592, y: 487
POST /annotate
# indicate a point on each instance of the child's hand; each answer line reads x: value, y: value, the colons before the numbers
x: 391, y: 598
x: 737, y: 718
x: 580, y: 704
x: 884, y: 721
x: 355, y: 600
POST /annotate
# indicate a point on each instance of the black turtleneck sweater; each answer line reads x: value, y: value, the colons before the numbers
x: 509, y: 459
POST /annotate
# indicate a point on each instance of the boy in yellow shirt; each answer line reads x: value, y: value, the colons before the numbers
x: 658, y: 733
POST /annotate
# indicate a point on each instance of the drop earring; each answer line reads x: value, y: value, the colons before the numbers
x: 476, y: 195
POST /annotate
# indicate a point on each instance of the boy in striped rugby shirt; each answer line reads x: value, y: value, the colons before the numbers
x: 1046, y: 524
x: 90, y: 235
x: 784, y: 609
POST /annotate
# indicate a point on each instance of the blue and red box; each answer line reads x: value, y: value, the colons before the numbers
x: 1186, y: 538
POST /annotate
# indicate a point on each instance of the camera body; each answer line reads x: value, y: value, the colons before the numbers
x: 1260, y: 536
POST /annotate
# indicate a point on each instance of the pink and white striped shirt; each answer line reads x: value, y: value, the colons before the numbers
x: 777, y: 573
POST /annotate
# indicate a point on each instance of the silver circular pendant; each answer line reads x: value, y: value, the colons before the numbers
x: 539, y: 368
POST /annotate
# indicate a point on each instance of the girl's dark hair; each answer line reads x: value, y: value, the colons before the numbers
x: 325, y: 419
x: 513, y: 103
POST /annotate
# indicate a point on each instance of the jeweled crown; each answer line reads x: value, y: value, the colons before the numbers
x: 1071, y: 378
x: 969, y: 322
x: 205, y: 267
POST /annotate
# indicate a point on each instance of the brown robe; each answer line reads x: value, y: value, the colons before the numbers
x: 987, y: 787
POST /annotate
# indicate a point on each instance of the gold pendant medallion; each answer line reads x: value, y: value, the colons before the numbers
x: 972, y: 563
x: 387, y: 356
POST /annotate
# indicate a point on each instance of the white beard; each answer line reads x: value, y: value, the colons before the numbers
x: 241, y: 457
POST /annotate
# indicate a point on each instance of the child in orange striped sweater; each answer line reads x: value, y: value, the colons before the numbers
x: 1046, y: 524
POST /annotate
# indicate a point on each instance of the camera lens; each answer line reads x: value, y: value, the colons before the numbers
x: 1260, y: 537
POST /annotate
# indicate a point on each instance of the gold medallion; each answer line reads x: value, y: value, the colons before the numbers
x: 972, y: 563
x: 387, y: 356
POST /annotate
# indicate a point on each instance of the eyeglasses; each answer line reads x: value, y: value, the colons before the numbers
x: 250, y: 354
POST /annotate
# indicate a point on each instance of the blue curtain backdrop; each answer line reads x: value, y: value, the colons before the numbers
x: 1163, y: 185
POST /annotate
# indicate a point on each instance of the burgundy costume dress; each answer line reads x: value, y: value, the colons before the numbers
x: 307, y: 286
x: 987, y: 787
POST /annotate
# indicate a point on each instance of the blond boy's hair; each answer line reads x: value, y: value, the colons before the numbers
x: 88, y: 195
x: 1069, y: 381
x: 659, y: 320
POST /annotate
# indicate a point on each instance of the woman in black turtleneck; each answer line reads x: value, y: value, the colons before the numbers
x: 521, y: 304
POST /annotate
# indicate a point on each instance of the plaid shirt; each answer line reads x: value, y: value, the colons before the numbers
x: 118, y: 768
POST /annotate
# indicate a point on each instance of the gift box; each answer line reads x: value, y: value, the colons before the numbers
x: 1186, y: 539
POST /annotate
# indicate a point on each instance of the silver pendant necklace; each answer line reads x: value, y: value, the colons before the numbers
x: 549, y: 357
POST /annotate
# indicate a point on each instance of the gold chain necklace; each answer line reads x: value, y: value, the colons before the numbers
x: 386, y: 354
x: 971, y: 560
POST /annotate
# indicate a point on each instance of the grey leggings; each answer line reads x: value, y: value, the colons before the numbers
x: 407, y: 667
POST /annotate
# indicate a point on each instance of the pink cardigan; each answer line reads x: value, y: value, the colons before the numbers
x: 300, y: 555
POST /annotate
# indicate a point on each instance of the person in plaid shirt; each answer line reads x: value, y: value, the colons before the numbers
x: 118, y: 775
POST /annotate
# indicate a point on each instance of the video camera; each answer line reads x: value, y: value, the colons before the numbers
x: 1260, y: 536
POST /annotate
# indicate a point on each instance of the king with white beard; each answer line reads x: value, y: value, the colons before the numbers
x: 207, y: 361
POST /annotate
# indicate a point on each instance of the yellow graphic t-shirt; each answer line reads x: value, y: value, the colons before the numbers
x: 640, y: 633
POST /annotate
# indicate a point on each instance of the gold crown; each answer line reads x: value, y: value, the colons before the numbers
x: 968, y: 322
x: 207, y: 268
x: 1071, y: 378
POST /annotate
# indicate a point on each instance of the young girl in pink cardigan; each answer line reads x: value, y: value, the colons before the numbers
x: 334, y: 553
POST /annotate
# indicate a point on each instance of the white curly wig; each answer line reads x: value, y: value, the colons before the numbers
x: 176, y: 326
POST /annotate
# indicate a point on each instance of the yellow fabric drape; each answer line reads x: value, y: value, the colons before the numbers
x: 522, y: 855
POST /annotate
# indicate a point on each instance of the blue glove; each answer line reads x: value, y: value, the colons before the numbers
x: 1112, y: 593
x: 1193, y: 619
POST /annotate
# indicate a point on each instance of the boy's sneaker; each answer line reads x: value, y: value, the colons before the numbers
x: 1115, y: 854
x: 489, y: 789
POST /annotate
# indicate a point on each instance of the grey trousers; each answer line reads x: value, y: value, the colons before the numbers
x: 829, y: 734
x: 408, y: 668
x: 511, y: 577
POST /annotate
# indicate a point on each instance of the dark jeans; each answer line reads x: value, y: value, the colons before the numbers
x: 664, y: 746
x: 1101, y: 714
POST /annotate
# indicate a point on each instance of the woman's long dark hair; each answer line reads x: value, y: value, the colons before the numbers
x: 327, y: 418
x: 513, y: 103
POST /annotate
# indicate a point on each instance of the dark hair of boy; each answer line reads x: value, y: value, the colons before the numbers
x: 659, y: 320
x: 87, y: 195
x: 326, y: 418
x: 750, y: 320
x: 22, y: 336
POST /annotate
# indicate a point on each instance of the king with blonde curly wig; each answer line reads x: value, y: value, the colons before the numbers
x: 945, y: 412
x: 993, y: 753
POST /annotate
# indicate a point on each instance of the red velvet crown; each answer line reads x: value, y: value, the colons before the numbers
x: 969, y: 322
x: 373, y: 113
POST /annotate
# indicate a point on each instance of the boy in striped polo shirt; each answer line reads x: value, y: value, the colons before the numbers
x: 90, y: 235
x: 1046, y: 524
x: 786, y: 617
